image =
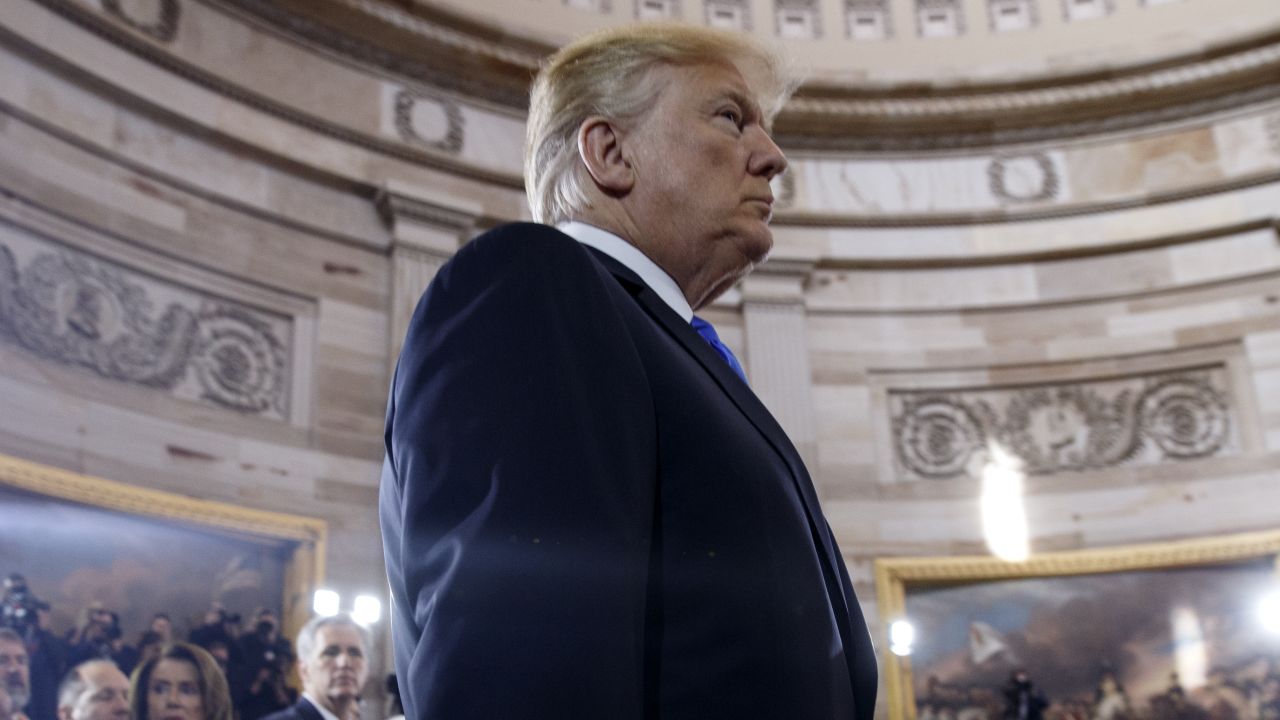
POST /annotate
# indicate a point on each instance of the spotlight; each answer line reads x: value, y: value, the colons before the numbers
x: 367, y: 610
x: 1269, y: 612
x: 902, y: 635
x: 326, y: 602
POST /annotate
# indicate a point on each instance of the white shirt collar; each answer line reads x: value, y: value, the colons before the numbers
x: 324, y: 711
x: 624, y: 252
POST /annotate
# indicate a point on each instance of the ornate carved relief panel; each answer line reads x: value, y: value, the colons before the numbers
x: 75, y: 308
x: 1139, y: 419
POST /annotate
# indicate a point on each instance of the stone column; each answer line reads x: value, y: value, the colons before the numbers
x: 427, y: 228
x: 777, y: 348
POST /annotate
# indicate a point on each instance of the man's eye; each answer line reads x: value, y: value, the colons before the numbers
x: 734, y: 116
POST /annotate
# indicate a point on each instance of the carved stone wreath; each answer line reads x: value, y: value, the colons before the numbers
x: 1049, y: 182
x: 454, y: 135
x: 1065, y: 427
x: 164, y: 28
x: 75, y: 309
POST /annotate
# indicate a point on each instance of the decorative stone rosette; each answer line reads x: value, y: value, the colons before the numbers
x: 1151, y: 419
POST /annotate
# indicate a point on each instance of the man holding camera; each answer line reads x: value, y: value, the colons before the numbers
x: 267, y: 658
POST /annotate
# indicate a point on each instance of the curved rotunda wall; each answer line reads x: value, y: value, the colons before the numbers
x: 928, y: 42
x: 223, y: 167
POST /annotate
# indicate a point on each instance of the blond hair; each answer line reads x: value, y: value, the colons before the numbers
x: 609, y: 73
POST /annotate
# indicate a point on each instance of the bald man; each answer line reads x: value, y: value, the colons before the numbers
x: 94, y: 690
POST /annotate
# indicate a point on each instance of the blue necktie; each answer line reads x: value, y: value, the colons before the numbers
x: 708, y: 333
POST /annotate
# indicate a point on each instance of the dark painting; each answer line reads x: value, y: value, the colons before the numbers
x: 74, y: 554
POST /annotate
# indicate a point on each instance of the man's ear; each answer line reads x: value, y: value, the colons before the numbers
x: 600, y: 147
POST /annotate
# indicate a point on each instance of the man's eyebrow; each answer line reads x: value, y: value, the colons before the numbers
x: 748, y: 105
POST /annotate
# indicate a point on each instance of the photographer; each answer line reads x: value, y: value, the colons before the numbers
x: 23, y: 617
x: 99, y: 638
x: 268, y: 658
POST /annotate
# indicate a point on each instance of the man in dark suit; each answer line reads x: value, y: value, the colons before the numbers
x: 586, y: 512
x: 332, y: 653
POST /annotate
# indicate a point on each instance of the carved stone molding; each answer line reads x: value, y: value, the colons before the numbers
x: 832, y: 116
x: 490, y: 66
x: 1041, y: 182
x: 76, y: 309
x: 1090, y: 425
x: 779, y: 281
x: 1273, y: 131
x: 404, y: 207
x: 163, y: 27
x: 95, y: 23
x: 454, y: 133
x: 728, y: 14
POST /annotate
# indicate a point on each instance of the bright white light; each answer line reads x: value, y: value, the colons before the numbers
x: 326, y: 602
x: 367, y: 610
x: 1004, y: 513
x: 902, y: 635
x: 1269, y: 611
x: 1190, y: 654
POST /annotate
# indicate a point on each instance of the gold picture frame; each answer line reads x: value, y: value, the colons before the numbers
x: 896, y: 578
x: 304, y: 568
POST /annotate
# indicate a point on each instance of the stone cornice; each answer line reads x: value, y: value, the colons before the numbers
x: 493, y: 66
x: 404, y: 208
x: 933, y: 119
x: 103, y: 27
x: 439, y: 50
x: 431, y: 47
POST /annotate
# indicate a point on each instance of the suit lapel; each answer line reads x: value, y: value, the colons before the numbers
x: 308, y: 711
x: 745, y: 399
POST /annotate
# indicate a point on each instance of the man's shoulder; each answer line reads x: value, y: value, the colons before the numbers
x: 520, y: 240
x: 522, y: 252
x: 300, y: 710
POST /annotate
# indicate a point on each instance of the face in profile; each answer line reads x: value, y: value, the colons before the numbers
x: 173, y: 692
x: 105, y: 695
x: 703, y: 160
x: 335, y: 669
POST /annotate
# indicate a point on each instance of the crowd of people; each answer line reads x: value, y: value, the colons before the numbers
x: 217, y: 673
x: 1249, y: 692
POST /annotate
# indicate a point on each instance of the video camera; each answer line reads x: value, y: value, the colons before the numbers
x: 19, y: 608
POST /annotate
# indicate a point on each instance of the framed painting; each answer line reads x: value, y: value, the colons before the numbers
x: 1186, y: 630
x: 79, y: 539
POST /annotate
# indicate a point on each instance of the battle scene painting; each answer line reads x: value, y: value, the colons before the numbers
x: 1181, y: 643
x: 72, y: 555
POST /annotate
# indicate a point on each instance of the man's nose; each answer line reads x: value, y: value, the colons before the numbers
x: 766, y: 157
